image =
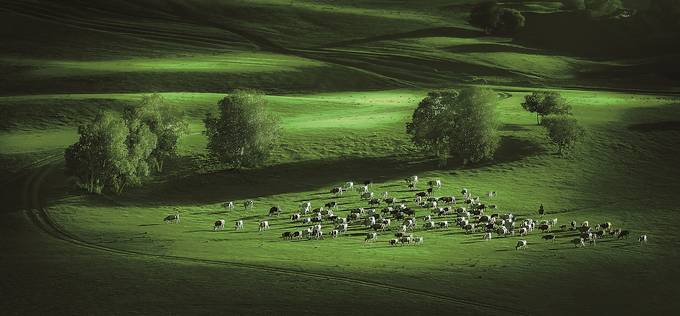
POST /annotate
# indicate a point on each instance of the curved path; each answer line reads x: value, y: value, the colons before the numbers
x: 34, y: 198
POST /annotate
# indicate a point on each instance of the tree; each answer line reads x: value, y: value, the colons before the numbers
x: 510, y: 21
x: 99, y: 158
x: 573, y: 4
x: 546, y: 103
x: 563, y: 131
x: 243, y: 134
x: 496, y: 20
x: 485, y: 15
x: 600, y: 8
x: 462, y: 125
x: 167, y: 123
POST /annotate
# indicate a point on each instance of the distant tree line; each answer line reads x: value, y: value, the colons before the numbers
x: 494, y: 19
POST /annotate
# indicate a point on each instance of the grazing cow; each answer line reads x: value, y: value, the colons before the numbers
x: 585, y: 224
x: 229, y: 205
x: 552, y: 222
x: 275, y: 210
x: 378, y: 226
x: 623, y: 234
x: 410, y: 223
x: 593, y: 239
x: 448, y: 199
x: 349, y: 185
x: 443, y: 224
x: 238, y: 225
x: 541, y: 210
x: 584, y: 229
x: 573, y: 225
x: 370, y: 221
x: 642, y: 239
x: 549, y: 237
x: 521, y: 244
x: 373, y: 202
x: 487, y: 236
x: 295, y: 217
x: 469, y: 228
x: 428, y: 225
x: 412, y: 181
x: 306, y: 220
x: 390, y: 200
x: 435, y: 183
x: 336, y: 191
x: 605, y: 226
x: 406, y: 240
x: 491, y: 194
x: 387, y: 222
x: 586, y: 236
x: 297, y: 234
x: 578, y: 242
x: 429, y: 191
x: 418, y: 240
x: 465, y: 192
x: 427, y: 218
x: 331, y: 205
x: 287, y: 235
x: 502, y: 231
x: 364, y: 189
x: 523, y: 231
x: 393, y: 242
x: 264, y: 225
x: 172, y: 218
x: 371, y: 237
x: 366, y: 195
x: 248, y: 204
x: 544, y: 227
x: 219, y: 224
x: 334, y: 233
x: 342, y: 227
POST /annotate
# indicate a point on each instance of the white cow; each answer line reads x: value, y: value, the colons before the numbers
x: 523, y: 231
x: 364, y: 189
x: 435, y: 183
x: 238, y: 225
x: 642, y: 239
x: 487, y: 236
x: 219, y: 224
x: 443, y: 224
x: 371, y: 237
x: 248, y: 204
x: 418, y: 240
x: 229, y: 205
x: 428, y: 225
x: 295, y: 217
x: 264, y: 225
x: 349, y: 185
x: 521, y: 244
x: 342, y: 227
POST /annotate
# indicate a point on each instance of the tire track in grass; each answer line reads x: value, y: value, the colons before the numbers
x: 40, y: 217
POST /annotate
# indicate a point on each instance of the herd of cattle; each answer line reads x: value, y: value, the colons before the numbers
x: 468, y: 213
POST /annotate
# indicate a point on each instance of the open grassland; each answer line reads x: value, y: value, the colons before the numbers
x: 343, y: 77
x: 618, y: 176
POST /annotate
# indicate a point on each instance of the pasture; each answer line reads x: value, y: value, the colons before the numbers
x: 343, y: 93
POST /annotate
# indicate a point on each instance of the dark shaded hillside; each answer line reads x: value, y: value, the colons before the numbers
x: 575, y: 33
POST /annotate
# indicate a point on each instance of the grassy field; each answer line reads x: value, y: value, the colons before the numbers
x: 344, y: 78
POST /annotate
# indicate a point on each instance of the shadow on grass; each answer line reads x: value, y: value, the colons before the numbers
x: 429, y: 32
x: 188, y: 187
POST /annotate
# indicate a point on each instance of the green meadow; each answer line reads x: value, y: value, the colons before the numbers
x: 343, y: 78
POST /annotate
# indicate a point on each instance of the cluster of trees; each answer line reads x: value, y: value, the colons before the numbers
x: 596, y: 8
x: 463, y: 124
x: 554, y: 113
x: 495, y: 19
x: 457, y: 124
x: 119, y: 150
